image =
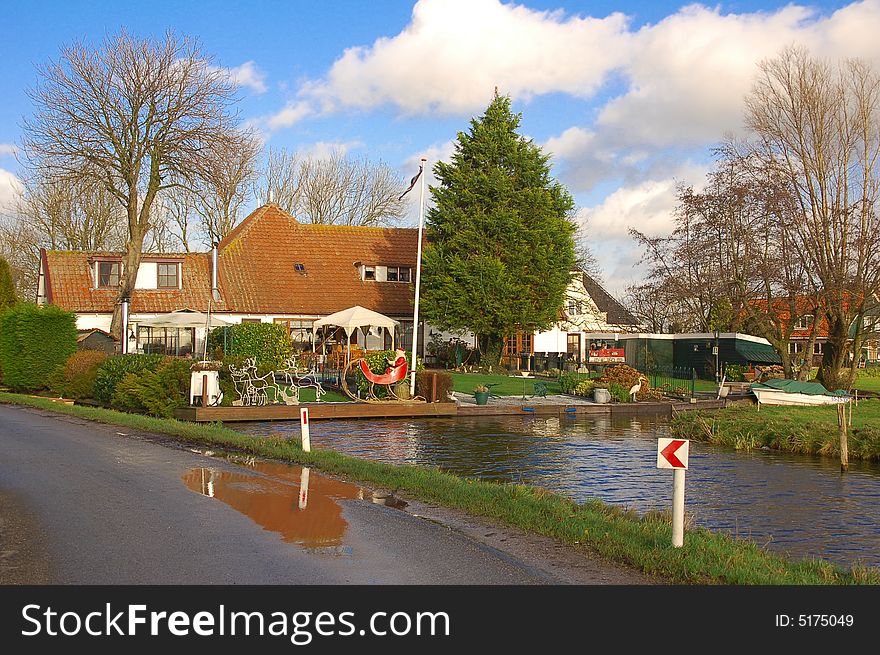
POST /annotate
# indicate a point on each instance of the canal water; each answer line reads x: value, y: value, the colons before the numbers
x: 798, y: 505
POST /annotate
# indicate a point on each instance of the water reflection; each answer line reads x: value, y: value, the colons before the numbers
x: 299, y: 506
x: 795, y: 504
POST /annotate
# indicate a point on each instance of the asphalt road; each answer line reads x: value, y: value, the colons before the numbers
x: 82, y: 503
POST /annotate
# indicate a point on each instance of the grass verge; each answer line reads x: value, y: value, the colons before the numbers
x: 802, y: 430
x: 620, y: 536
x: 505, y: 385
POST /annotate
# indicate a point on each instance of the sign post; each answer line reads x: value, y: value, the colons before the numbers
x: 304, y: 427
x: 673, y: 454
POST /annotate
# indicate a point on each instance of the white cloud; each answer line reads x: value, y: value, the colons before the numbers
x: 10, y: 190
x: 687, y: 78
x: 248, y: 75
x: 647, y: 206
x: 683, y: 78
x: 454, y: 52
x: 433, y: 154
x: 292, y: 113
x: 8, y: 149
x: 326, y: 149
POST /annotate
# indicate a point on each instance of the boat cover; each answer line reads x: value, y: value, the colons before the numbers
x: 794, y: 386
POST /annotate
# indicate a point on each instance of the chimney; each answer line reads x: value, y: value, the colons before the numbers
x: 215, y: 288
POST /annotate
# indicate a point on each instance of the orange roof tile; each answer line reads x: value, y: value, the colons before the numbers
x: 257, y: 274
x: 72, y: 284
x: 257, y: 266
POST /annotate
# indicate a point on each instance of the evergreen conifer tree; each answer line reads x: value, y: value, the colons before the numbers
x: 500, y: 240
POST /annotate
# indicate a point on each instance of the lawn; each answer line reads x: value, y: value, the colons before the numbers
x: 805, y: 430
x: 507, y: 385
x: 513, y: 385
x: 867, y: 384
x: 307, y: 395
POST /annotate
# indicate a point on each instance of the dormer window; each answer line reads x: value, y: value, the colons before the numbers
x: 168, y: 278
x: 109, y: 274
x: 398, y: 274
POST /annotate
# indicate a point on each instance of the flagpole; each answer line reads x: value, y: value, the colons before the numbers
x: 412, y: 383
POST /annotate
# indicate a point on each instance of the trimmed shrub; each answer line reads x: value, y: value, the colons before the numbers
x: 268, y: 343
x: 158, y: 392
x: 113, y: 369
x: 76, y: 378
x: 619, y: 392
x: 568, y: 382
x: 627, y: 377
x: 425, y: 383
x: 736, y: 372
x: 7, y: 286
x: 34, y: 342
x: 585, y: 388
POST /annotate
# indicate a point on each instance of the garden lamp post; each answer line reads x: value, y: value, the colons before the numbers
x: 717, y: 372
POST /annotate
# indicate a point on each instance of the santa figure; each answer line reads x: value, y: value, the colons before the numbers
x: 397, y: 363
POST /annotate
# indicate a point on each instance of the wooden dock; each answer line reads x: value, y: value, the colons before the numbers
x: 326, y: 410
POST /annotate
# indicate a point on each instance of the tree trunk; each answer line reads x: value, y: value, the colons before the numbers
x: 491, y: 349
x: 131, y: 261
x: 834, y: 356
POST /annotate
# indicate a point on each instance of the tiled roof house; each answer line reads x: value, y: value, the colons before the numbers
x: 269, y: 268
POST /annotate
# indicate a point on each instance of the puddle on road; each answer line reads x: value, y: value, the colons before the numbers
x: 299, y: 505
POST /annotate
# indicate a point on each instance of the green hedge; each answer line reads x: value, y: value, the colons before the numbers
x: 112, y: 370
x: 34, y: 342
x: 76, y: 379
x: 158, y: 392
x: 269, y: 343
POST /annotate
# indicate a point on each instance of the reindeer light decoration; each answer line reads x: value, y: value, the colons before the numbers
x: 253, y: 389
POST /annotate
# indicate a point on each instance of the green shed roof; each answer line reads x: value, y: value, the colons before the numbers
x: 757, y: 353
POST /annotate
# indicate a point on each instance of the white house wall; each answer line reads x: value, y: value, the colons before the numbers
x: 93, y: 322
x: 148, y: 276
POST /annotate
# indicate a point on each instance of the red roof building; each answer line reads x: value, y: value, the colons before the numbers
x: 269, y: 268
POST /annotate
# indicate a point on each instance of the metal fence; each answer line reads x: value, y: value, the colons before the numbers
x: 672, y: 381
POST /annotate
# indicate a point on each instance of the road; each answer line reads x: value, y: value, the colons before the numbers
x: 86, y: 503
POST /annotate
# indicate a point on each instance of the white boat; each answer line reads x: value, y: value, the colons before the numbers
x: 792, y: 392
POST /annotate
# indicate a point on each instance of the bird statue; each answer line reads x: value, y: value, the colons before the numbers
x: 636, y: 388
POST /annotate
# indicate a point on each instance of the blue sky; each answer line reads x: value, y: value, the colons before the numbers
x: 627, y: 97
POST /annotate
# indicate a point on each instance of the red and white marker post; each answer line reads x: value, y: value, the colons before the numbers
x: 304, y: 427
x: 673, y: 454
x: 304, y: 488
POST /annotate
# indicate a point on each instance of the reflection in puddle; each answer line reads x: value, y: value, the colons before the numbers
x: 302, y: 508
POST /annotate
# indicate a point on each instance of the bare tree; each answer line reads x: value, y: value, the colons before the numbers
x: 732, y: 262
x: 222, y: 191
x: 75, y: 215
x: 819, y: 126
x: 176, y: 208
x: 336, y: 190
x: 279, y: 181
x: 17, y: 247
x: 135, y: 116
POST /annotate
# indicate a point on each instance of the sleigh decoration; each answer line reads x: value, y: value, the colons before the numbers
x: 394, y: 374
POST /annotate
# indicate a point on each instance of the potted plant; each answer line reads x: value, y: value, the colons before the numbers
x: 481, y: 394
x: 601, y: 395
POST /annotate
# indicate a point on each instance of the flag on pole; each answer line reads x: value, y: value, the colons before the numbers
x: 412, y: 182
